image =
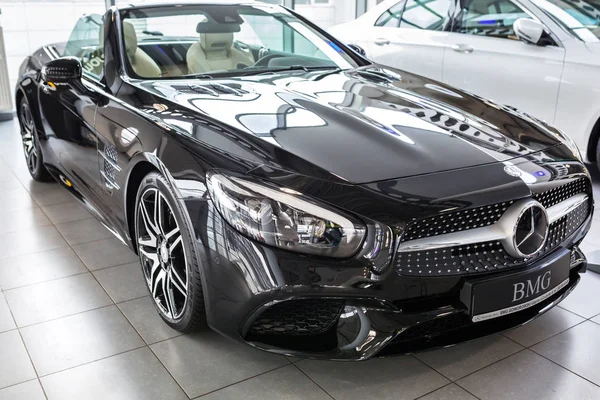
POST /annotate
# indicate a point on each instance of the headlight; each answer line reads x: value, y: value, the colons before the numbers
x: 282, y: 218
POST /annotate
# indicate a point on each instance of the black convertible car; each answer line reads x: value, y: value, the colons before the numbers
x: 287, y: 192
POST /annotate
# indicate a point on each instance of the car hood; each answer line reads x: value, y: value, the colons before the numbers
x: 363, y: 125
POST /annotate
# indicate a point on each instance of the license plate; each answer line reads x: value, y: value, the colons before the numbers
x: 499, y: 296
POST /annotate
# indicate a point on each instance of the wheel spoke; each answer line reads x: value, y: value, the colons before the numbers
x: 150, y: 227
x: 175, y: 243
x: 152, y: 257
x: 169, y: 298
x: 169, y: 235
x: 158, y: 213
x: 157, y: 282
x: 149, y: 242
x: 177, y: 282
x: 32, y: 159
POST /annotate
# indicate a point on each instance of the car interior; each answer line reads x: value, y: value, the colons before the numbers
x: 223, y: 42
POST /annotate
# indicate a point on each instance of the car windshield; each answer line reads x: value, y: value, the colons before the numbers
x: 224, y: 40
x: 580, y: 17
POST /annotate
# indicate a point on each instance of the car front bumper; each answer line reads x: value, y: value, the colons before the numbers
x: 303, y: 306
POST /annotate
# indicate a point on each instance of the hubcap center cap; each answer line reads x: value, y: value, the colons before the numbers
x: 164, y: 252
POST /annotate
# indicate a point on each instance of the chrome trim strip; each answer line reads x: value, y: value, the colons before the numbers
x: 561, y: 209
x: 503, y: 230
x: 471, y: 236
x: 109, y: 182
x: 110, y: 161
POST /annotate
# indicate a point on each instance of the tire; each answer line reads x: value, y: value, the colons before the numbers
x: 31, y: 145
x: 168, y: 255
x: 597, y: 155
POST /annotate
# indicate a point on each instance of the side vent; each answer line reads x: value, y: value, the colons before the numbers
x: 109, y: 166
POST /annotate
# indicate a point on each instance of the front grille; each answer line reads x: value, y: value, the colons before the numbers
x: 458, y: 260
x: 566, y: 226
x: 560, y: 193
x: 456, y: 221
x: 486, y: 256
x: 298, y: 317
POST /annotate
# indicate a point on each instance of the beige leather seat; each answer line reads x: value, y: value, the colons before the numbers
x: 141, y: 62
x: 215, y: 51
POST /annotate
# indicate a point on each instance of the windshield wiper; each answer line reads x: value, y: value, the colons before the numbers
x: 290, y: 68
x: 198, y: 76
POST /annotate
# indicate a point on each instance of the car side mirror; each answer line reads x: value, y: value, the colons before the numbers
x: 357, y: 49
x: 62, y: 71
x: 530, y: 31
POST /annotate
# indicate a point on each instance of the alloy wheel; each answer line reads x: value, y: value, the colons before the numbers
x: 29, y: 138
x: 162, y: 254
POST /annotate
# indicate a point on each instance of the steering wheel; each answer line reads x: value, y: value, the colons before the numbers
x: 264, y: 57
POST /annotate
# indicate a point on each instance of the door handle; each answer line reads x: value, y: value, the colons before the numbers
x: 462, y: 48
x: 382, y: 41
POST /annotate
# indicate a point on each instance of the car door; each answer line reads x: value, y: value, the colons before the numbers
x: 484, y: 56
x: 411, y: 36
x: 69, y: 110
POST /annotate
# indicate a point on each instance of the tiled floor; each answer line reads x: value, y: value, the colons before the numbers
x: 76, y: 323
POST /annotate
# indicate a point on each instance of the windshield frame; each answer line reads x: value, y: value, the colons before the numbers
x: 563, y: 25
x: 125, y: 14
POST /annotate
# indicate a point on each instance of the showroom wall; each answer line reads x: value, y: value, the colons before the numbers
x: 28, y: 24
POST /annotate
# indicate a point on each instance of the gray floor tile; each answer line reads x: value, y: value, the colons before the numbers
x: 66, y: 212
x: 205, y: 362
x: 46, y: 194
x: 71, y: 341
x: 16, y: 198
x: 36, y: 239
x: 9, y: 181
x: 591, y: 249
x: 15, y: 366
x: 579, y: 300
x: 6, y: 320
x: 39, y: 267
x: 545, y: 326
x: 135, y: 375
x: 55, y: 299
x: 87, y: 230
x: 527, y: 375
x: 18, y: 220
x: 450, y: 392
x: 105, y: 253
x: 388, y: 378
x: 145, y: 319
x: 24, y: 391
x: 286, y: 383
x: 458, y: 361
x: 577, y: 349
x: 122, y: 283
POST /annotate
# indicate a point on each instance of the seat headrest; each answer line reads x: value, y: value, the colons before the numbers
x: 130, y: 37
x: 216, y: 41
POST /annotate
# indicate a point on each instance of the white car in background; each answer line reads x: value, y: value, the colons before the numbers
x: 541, y: 56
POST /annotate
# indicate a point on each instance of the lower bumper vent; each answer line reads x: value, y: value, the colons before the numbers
x: 298, y: 317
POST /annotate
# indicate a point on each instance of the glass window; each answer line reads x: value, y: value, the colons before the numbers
x: 425, y: 14
x: 224, y: 40
x: 492, y: 18
x: 391, y: 18
x: 84, y: 43
x: 582, y: 18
